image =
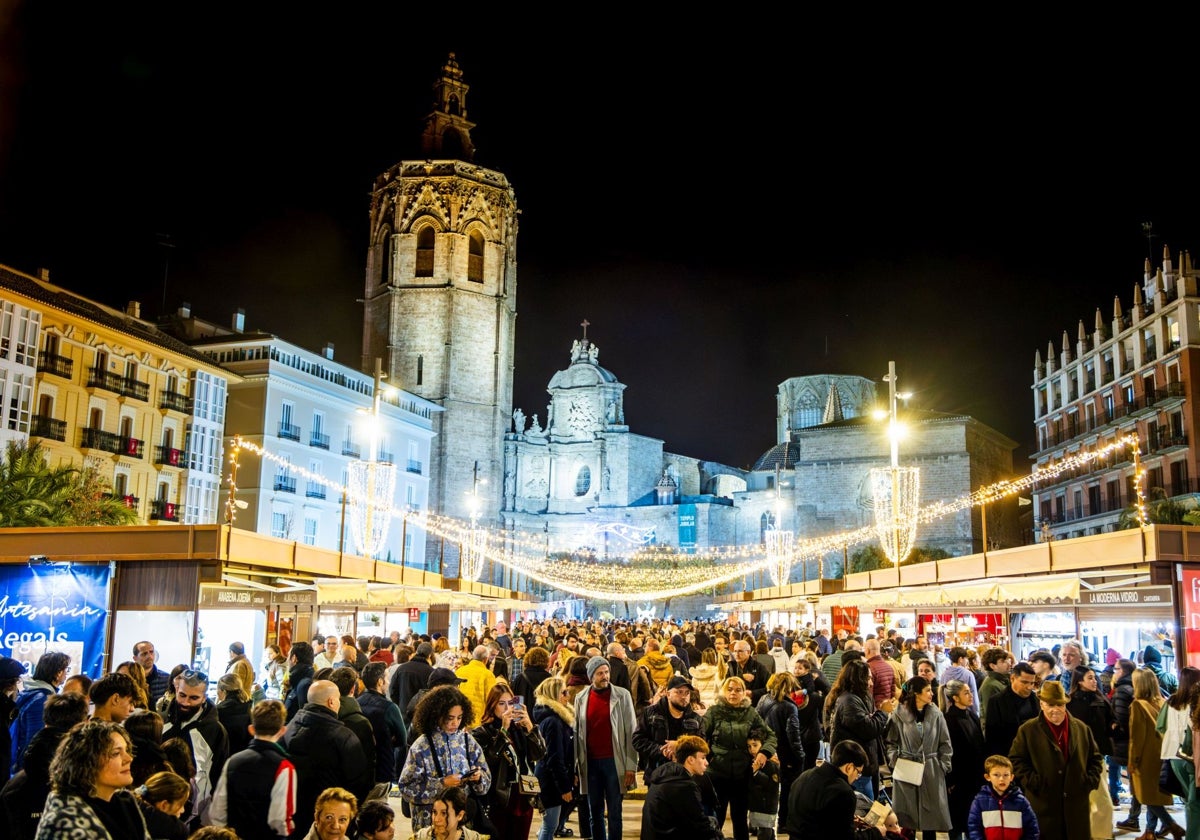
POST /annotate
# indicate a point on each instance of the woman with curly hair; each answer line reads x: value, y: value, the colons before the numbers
x: 88, y: 778
x: 137, y: 673
x: 445, y: 755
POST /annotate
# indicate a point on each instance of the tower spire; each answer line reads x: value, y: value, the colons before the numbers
x: 833, y: 406
x: 447, y: 131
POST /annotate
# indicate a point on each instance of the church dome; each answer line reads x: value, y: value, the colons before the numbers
x: 782, y: 455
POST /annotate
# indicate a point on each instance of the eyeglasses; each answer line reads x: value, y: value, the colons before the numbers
x: 194, y: 675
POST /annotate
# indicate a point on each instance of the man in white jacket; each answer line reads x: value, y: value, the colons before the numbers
x: 605, y: 758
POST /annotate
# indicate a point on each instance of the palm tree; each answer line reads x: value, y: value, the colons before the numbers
x: 33, y: 494
x: 1160, y: 510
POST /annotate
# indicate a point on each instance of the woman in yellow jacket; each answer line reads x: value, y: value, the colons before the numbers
x: 1145, y: 749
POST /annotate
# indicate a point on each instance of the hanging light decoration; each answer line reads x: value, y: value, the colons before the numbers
x: 779, y: 555
x: 896, y: 491
x: 473, y: 552
x: 371, y: 487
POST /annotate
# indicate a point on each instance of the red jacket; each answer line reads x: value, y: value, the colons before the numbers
x: 996, y: 817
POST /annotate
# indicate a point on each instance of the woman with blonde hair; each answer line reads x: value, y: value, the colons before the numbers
x: 707, y: 677
x: 555, y: 717
x: 1145, y: 750
x: 137, y: 673
x: 727, y: 727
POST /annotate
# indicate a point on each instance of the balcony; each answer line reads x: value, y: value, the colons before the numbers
x: 168, y: 457
x: 130, y: 502
x: 175, y: 401
x: 285, y: 484
x: 289, y: 432
x: 1166, y: 439
x: 108, y: 442
x: 126, y: 386
x: 351, y: 449
x: 55, y: 365
x: 314, y: 490
x: 414, y: 466
x: 385, y: 457
x: 318, y: 440
x: 165, y: 511
x: 47, y: 427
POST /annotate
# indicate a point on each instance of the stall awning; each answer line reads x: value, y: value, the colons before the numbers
x: 1048, y: 588
x: 1052, y: 588
x: 340, y: 591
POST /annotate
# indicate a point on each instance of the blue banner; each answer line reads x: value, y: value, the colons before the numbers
x: 687, y: 529
x: 60, y: 607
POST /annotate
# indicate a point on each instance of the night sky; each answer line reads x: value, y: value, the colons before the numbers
x: 728, y: 204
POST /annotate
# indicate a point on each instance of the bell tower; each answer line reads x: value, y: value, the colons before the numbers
x: 440, y: 300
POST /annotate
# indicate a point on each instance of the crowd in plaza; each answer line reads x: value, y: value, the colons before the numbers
x: 768, y: 731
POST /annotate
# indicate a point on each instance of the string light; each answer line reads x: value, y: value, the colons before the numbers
x: 372, y: 486
x: 641, y: 575
x: 896, y: 492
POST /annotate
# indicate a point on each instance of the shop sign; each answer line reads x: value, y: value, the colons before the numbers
x: 55, y: 607
x: 1145, y: 595
x: 301, y: 597
x: 229, y: 597
x: 687, y: 528
x: 1190, y: 586
x: 414, y: 613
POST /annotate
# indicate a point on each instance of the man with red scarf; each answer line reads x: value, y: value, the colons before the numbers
x: 1057, y: 764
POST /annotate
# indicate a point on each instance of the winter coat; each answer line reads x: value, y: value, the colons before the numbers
x: 659, y: 667
x: 783, y: 664
x: 674, y: 807
x: 764, y: 794
x: 994, y: 683
x: 963, y: 675
x: 509, y: 754
x: 326, y: 753
x: 556, y: 770
x: 68, y: 815
x: 479, y: 682
x: 458, y: 754
x: 784, y: 720
x: 831, y: 666
x: 1006, y: 712
x: 27, y: 719
x: 726, y: 729
x: 821, y: 806
x: 527, y: 682
x: 387, y: 725
x: 408, y: 678
x: 623, y: 721
x: 299, y: 679
x: 653, y: 730
x: 705, y: 680
x: 1093, y: 708
x: 813, y: 689
x: 350, y: 713
x: 208, y: 742
x: 1145, y: 754
x: 1122, y: 699
x: 966, y: 741
x: 924, y: 807
x: 1007, y: 817
x: 1058, y: 786
x: 235, y: 717
x: 856, y: 719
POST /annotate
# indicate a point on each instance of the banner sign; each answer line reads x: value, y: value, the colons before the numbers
x: 1126, y: 597
x: 1189, y: 578
x: 55, y: 607
x: 687, y: 529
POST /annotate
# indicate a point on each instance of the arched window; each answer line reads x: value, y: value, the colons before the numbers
x: 453, y: 106
x: 475, y: 257
x: 385, y: 258
x: 425, y: 252
x: 583, y: 480
x: 765, y: 523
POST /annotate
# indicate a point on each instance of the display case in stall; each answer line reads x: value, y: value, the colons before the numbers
x: 1126, y: 621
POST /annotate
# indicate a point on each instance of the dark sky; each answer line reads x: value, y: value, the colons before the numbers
x: 729, y: 204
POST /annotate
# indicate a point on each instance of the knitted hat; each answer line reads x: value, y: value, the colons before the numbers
x: 1111, y: 657
x: 595, y: 663
x: 11, y: 668
x: 1151, y: 656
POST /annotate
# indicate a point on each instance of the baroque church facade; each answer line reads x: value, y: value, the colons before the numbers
x: 440, y: 311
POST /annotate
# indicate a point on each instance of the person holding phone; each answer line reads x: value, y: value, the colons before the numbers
x: 512, y: 746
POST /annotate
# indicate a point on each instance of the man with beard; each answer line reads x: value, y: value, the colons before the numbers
x: 605, y: 758
x: 300, y: 674
x: 157, y: 681
x: 193, y: 717
x: 661, y: 724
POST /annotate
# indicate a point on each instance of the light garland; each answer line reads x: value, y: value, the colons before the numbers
x: 779, y: 555
x: 617, y: 580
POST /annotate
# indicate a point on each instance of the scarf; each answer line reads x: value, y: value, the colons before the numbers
x: 1059, y: 732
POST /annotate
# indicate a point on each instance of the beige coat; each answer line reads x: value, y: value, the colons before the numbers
x: 1145, y: 750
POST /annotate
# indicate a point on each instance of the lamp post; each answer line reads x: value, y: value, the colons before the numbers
x: 895, y: 524
x: 373, y: 482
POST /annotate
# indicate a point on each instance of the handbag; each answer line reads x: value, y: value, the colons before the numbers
x: 908, y: 771
x: 477, y: 803
x: 1168, y: 782
x: 530, y: 786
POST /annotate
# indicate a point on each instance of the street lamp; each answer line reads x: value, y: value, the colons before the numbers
x: 896, y: 490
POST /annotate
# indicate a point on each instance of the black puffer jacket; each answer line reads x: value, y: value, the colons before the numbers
x: 674, y: 806
x: 1122, y: 700
x: 1093, y: 708
x: 784, y: 720
x: 811, y: 710
x: 326, y: 754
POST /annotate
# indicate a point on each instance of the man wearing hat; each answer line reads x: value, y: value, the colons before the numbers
x: 661, y: 723
x: 605, y: 758
x: 1057, y: 764
x: 11, y: 671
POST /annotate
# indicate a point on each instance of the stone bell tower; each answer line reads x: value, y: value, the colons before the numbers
x: 440, y: 300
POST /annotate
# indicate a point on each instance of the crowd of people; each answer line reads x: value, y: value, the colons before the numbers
x: 764, y: 731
